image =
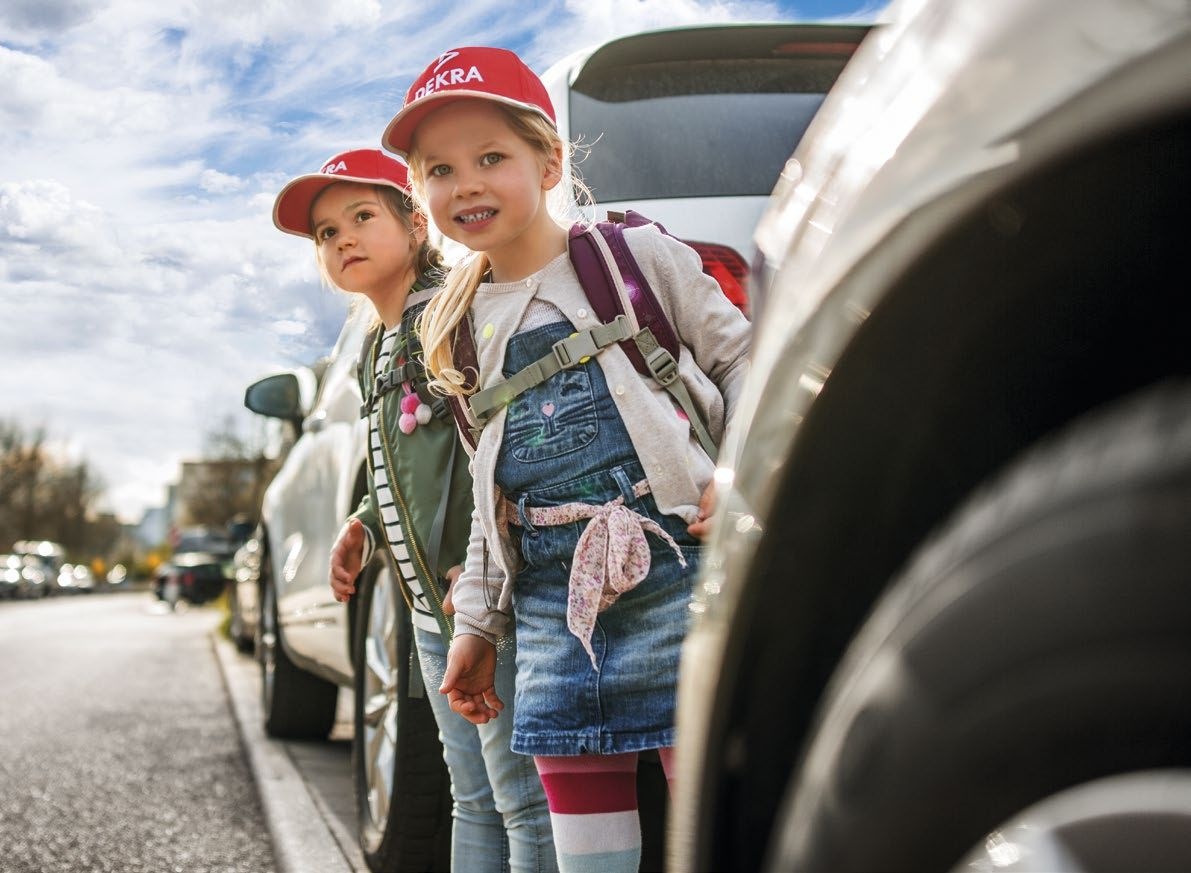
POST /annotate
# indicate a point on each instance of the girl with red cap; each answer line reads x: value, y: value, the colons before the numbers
x: 371, y: 240
x: 590, y: 490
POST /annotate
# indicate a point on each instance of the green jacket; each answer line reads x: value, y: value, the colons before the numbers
x: 428, y: 468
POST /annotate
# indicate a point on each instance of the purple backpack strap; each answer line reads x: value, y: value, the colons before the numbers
x: 600, y: 287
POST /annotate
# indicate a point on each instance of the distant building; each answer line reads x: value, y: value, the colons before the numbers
x: 154, y: 526
x: 213, y: 492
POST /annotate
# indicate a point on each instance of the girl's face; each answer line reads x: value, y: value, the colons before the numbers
x: 364, y: 247
x: 484, y: 185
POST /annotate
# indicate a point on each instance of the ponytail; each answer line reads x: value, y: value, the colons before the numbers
x: 438, y: 321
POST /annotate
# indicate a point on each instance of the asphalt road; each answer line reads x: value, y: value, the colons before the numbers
x: 118, y: 748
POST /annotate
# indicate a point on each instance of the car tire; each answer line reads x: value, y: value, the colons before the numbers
x: 403, y: 790
x: 241, y: 638
x: 1041, y: 641
x: 297, y: 705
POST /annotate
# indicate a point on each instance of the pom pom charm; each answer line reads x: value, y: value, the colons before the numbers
x: 413, y: 411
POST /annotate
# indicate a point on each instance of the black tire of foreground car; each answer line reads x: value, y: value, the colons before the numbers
x: 297, y: 705
x: 403, y: 790
x: 1041, y: 641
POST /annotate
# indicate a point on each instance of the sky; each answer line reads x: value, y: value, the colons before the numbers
x: 143, y: 285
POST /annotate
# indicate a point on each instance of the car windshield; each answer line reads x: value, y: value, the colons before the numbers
x: 694, y: 128
x: 216, y: 543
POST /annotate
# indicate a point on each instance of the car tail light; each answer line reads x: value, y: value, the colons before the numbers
x: 727, y: 267
x: 187, y: 580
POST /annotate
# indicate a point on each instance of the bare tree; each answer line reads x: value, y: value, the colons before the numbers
x: 42, y: 498
x: 229, y: 481
x: 21, y: 460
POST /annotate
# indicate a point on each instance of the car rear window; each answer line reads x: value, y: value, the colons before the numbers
x: 694, y: 128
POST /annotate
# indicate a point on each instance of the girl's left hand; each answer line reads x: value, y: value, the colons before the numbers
x: 470, y: 679
x: 702, y: 524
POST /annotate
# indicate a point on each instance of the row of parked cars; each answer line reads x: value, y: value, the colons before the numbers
x: 952, y: 528
x: 34, y: 569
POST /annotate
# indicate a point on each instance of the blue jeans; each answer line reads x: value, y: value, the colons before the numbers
x: 500, y: 808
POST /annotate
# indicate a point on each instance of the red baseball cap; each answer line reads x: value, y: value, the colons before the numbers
x: 291, y: 209
x: 473, y: 71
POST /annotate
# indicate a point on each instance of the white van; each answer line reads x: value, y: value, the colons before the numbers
x: 692, y: 126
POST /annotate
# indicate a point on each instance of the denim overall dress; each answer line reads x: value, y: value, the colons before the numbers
x: 564, y: 443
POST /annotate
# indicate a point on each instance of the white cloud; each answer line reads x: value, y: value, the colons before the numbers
x: 215, y: 182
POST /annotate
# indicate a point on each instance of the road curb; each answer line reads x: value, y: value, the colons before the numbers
x: 303, y: 837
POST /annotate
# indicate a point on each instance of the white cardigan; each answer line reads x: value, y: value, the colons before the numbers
x: 714, y: 338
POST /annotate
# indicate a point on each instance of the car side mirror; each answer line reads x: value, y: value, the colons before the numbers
x: 278, y: 396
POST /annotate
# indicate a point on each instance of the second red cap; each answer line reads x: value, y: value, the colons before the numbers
x: 291, y: 209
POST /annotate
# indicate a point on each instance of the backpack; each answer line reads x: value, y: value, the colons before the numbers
x: 412, y: 370
x: 594, y: 251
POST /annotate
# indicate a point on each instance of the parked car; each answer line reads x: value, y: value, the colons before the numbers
x: 691, y: 126
x: 244, y: 594
x: 41, y: 561
x: 947, y: 579
x: 196, y: 577
x: 309, y: 645
x: 10, y: 576
x: 690, y: 83
x: 75, y: 579
x: 199, y: 569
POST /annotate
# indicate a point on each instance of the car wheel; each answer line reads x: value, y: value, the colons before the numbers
x: 403, y: 791
x: 1138, y: 821
x: 297, y: 705
x: 236, y: 629
x: 1041, y: 641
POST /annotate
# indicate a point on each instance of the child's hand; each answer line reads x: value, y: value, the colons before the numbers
x: 448, y: 600
x: 469, y: 681
x: 702, y: 524
x: 347, y: 555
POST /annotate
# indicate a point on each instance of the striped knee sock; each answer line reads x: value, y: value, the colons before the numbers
x: 593, y: 810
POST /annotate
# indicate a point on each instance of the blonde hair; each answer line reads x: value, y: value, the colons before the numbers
x: 450, y: 305
x: 428, y: 260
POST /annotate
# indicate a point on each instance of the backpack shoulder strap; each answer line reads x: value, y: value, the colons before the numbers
x: 364, y: 367
x: 654, y: 349
x: 593, y: 270
x: 463, y: 353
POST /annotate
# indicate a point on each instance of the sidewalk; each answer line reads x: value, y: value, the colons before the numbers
x: 305, y: 787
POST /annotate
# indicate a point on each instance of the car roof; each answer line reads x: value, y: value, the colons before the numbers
x: 715, y: 41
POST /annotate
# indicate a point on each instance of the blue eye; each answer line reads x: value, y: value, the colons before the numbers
x: 440, y: 170
x: 325, y: 234
x: 491, y: 159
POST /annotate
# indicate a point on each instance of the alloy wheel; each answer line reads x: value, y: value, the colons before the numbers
x: 380, y: 697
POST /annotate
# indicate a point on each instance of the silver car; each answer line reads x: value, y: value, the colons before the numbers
x: 309, y: 645
x: 947, y: 583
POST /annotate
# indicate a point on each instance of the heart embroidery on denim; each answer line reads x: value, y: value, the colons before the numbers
x: 547, y: 409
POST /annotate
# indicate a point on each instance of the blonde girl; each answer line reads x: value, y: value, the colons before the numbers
x: 371, y: 241
x: 590, y: 490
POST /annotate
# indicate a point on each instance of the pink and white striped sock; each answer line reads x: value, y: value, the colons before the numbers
x: 593, y: 810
